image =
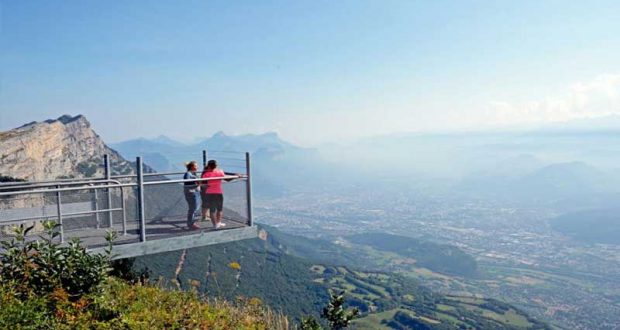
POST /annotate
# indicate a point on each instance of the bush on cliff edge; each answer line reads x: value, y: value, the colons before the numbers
x: 46, y: 285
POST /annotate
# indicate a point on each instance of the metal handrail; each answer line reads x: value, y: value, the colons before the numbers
x: 125, y: 176
x: 47, y: 181
x: 64, y: 214
x: 86, y: 186
x: 119, y: 185
x: 83, y: 180
x: 51, y: 184
x: 69, y: 181
x: 226, y: 177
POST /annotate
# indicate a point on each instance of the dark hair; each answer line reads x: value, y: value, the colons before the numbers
x: 212, y: 164
x: 191, y: 164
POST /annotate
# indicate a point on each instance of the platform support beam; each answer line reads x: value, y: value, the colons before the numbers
x: 248, y: 188
x: 59, y: 212
x: 108, y: 177
x: 140, y: 198
x: 179, y: 243
x: 96, y: 207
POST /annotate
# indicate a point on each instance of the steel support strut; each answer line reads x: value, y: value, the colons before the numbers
x: 140, y: 199
x: 59, y: 210
x: 248, y: 187
x: 108, y: 177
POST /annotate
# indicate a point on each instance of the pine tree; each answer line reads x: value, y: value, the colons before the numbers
x: 336, y: 315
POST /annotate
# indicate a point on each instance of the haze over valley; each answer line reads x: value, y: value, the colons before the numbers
x: 385, y: 164
x: 537, y: 210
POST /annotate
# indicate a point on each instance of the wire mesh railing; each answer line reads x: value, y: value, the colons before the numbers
x: 138, y: 206
x: 77, y: 209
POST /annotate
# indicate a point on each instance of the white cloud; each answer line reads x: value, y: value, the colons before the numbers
x: 596, y: 98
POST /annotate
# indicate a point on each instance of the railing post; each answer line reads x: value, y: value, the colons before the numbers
x: 123, y: 205
x: 204, y: 159
x: 248, y: 188
x: 96, y: 207
x: 108, y: 177
x: 59, y: 210
x: 140, y: 199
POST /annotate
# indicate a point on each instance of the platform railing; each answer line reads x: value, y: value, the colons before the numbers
x: 56, y: 191
x: 147, y: 204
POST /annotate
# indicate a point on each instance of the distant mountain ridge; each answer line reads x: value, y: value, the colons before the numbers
x: 219, y: 141
x: 273, y: 158
x: 266, y: 146
x: 546, y: 184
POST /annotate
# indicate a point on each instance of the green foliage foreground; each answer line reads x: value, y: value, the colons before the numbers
x: 42, y: 266
x: 121, y: 305
x: 45, y: 285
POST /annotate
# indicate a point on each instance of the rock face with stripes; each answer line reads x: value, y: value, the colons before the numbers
x: 66, y: 147
x: 56, y: 148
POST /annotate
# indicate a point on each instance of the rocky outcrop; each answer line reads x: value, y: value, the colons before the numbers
x: 67, y: 147
x: 56, y: 148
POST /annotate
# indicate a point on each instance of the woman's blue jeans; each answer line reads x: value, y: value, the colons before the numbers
x: 192, y: 196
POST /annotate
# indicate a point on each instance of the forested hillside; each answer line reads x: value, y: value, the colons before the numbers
x: 271, y: 271
x: 437, y: 257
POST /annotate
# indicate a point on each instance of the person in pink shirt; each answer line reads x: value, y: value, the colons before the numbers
x: 212, y: 194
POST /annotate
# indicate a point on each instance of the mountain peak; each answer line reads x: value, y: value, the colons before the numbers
x: 163, y: 139
x: 67, y: 119
x: 219, y: 134
x: 66, y: 146
x: 273, y: 135
x: 64, y: 119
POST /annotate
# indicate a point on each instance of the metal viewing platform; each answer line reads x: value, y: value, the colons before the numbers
x: 148, y: 211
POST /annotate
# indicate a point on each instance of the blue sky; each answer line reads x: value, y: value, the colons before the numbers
x: 314, y: 71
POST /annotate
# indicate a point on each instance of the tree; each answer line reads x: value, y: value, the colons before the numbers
x: 336, y: 315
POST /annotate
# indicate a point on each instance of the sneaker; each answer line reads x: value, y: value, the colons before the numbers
x: 220, y: 225
x: 194, y: 227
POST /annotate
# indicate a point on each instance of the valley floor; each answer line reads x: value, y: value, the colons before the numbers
x: 571, y: 284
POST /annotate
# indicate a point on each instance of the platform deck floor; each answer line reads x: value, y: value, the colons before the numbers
x: 92, y: 237
x: 159, y: 229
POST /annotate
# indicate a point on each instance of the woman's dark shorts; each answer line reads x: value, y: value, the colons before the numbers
x: 213, y: 202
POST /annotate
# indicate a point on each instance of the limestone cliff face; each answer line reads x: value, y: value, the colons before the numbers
x: 64, y: 147
x: 68, y: 147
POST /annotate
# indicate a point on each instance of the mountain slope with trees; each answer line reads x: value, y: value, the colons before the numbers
x: 269, y: 270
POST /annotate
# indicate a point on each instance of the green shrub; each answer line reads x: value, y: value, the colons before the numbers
x: 18, y: 313
x: 42, y: 266
x: 46, y: 285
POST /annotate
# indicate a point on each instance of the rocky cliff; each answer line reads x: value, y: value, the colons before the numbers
x: 56, y: 148
x: 68, y: 147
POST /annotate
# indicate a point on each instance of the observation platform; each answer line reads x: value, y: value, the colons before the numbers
x: 147, y: 211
